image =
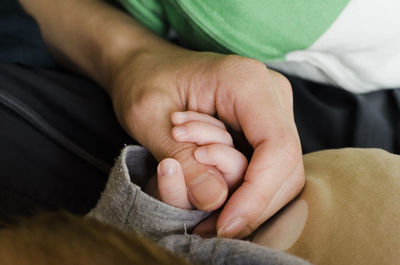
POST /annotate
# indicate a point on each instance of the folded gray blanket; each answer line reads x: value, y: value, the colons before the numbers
x: 124, y: 205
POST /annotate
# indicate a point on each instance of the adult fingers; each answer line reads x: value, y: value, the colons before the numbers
x: 266, y: 120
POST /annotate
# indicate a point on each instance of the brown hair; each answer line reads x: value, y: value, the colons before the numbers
x: 62, y: 238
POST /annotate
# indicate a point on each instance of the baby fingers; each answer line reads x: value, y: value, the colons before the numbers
x: 180, y: 118
x: 229, y: 161
x: 201, y: 133
x: 171, y: 184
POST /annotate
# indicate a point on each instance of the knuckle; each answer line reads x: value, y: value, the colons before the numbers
x: 281, y: 79
x: 239, y: 75
x: 283, y: 85
x: 146, y: 105
x: 182, y: 152
x: 239, y: 61
x: 244, y: 68
x: 148, y: 100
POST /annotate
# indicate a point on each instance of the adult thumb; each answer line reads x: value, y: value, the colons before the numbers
x: 206, y: 187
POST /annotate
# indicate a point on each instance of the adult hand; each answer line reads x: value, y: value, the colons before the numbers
x: 148, y: 86
x: 149, y: 78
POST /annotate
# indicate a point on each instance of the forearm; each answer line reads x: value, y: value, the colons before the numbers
x: 90, y: 35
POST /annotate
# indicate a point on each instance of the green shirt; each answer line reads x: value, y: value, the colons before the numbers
x: 332, y: 41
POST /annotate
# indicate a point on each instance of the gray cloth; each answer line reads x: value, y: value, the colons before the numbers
x: 124, y: 205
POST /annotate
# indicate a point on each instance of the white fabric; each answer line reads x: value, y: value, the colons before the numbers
x: 360, y: 52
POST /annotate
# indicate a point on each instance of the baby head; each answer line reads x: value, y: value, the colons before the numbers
x: 62, y: 238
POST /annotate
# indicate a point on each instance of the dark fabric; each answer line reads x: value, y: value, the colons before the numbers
x: 20, y: 38
x: 37, y: 172
x: 329, y: 117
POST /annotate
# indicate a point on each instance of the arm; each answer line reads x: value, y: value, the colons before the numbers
x: 94, y: 44
x: 124, y: 58
x: 148, y: 79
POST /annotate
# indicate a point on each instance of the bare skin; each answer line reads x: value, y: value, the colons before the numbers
x: 216, y: 148
x: 148, y: 78
x: 284, y: 229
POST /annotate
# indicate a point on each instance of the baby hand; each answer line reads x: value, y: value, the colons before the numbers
x: 215, y: 148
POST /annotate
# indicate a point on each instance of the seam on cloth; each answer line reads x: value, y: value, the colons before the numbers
x: 185, y: 229
x: 133, y: 203
x: 38, y: 122
x: 124, y: 173
x: 188, y: 246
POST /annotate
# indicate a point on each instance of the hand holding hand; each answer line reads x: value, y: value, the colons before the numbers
x: 244, y: 94
x: 149, y: 78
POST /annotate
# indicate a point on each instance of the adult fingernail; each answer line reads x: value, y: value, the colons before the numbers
x: 167, y: 168
x: 233, y: 228
x: 179, y: 131
x: 208, y: 192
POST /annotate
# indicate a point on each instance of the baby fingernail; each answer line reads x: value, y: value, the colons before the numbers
x: 233, y: 228
x: 167, y: 168
x: 207, y: 191
x: 200, y: 154
x: 179, y: 131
